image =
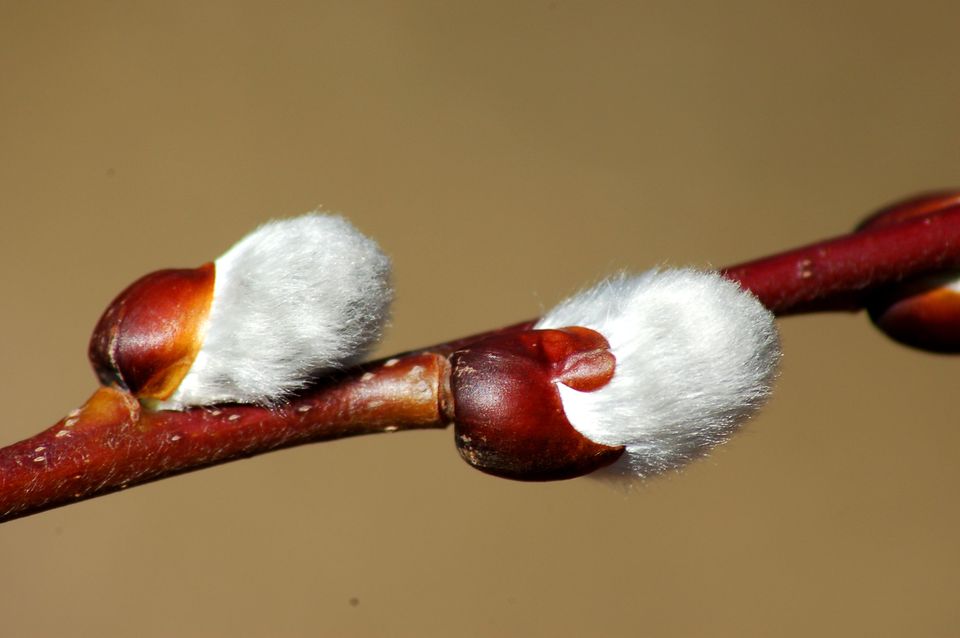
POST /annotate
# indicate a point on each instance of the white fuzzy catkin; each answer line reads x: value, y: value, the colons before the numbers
x: 695, y: 357
x: 291, y: 298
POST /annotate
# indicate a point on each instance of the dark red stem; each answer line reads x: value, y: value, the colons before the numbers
x: 838, y: 274
x: 112, y: 442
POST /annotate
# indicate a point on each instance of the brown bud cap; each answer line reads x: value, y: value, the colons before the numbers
x: 150, y: 334
x: 922, y: 312
x: 509, y: 416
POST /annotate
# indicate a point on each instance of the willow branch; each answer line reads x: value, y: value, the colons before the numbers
x: 112, y: 442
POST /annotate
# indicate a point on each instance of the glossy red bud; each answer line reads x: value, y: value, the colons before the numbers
x: 922, y: 312
x: 509, y: 418
x: 149, y: 336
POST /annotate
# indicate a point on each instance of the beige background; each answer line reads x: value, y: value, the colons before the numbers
x: 503, y: 153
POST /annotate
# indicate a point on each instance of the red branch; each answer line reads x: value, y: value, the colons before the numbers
x: 839, y: 274
x: 112, y: 442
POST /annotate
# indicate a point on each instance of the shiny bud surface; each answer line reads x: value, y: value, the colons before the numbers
x: 149, y: 336
x: 509, y: 418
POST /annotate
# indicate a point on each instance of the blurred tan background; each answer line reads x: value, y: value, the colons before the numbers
x: 504, y: 154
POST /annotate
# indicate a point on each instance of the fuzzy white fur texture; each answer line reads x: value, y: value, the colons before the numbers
x: 695, y: 357
x: 293, y: 297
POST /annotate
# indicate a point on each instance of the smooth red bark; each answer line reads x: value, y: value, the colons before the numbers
x: 839, y: 274
x: 112, y: 442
